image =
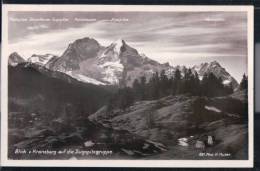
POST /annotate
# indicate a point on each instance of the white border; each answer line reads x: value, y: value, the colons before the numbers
x: 125, y: 163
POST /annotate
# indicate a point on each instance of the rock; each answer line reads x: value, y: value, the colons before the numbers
x: 72, y: 138
x: 200, y: 144
x: 129, y: 152
x: 33, y: 132
x: 89, y: 144
x: 159, y: 126
x: 33, y: 114
x: 145, y: 146
x: 210, y: 140
x: 183, y: 142
x: 157, y: 145
x: 73, y: 158
x: 26, y: 143
x: 52, y: 142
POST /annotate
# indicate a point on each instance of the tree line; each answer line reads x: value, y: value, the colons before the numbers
x: 160, y: 85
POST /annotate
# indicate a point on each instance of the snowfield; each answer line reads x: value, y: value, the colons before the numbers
x: 111, y: 70
x: 84, y: 78
x: 40, y: 59
x: 212, y: 108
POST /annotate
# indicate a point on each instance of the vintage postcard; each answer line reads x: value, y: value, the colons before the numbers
x: 127, y: 86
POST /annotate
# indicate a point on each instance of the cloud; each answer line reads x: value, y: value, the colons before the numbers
x: 54, y: 41
x: 175, y: 37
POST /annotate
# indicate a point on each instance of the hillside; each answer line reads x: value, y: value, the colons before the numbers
x: 49, y: 111
x: 114, y: 98
x: 45, y: 91
x: 172, y: 119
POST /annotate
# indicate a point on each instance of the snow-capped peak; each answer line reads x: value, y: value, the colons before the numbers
x: 15, y: 59
x: 114, y: 49
x: 117, y: 45
x: 215, y: 64
x: 118, y: 63
x: 215, y: 68
x: 110, y: 63
x: 40, y: 59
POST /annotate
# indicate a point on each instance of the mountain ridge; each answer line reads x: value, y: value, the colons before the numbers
x: 117, y: 64
x: 14, y: 59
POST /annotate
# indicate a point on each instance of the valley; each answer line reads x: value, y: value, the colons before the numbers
x: 119, y: 101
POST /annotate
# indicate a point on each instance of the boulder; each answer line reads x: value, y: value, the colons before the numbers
x: 89, y: 144
x: 210, y: 140
x: 200, y: 144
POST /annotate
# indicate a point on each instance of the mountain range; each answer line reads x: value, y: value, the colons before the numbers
x: 72, y: 101
x: 117, y: 64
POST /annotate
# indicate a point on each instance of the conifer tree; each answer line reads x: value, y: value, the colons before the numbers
x: 154, y: 86
x: 212, y: 86
x: 196, y: 87
x: 163, y: 84
x: 229, y: 89
x: 143, y: 88
x: 126, y: 98
x: 244, y: 83
x: 176, y: 83
x: 137, y: 89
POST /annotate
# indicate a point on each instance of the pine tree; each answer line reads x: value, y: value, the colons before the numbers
x: 143, y: 88
x: 229, y: 89
x: 196, y: 87
x: 170, y: 86
x: 154, y: 86
x: 187, y: 82
x: 212, y: 86
x: 137, y: 89
x: 205, y: 85
x: 136, y: 84
x: 126, y: 98
x: 190, y: 82
x: 111, y: 105
x: 244, y: 83
x: 176, y: 83
x: 163, y: 84
x: 177, y: 74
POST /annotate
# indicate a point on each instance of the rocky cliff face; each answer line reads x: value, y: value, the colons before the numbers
x: 15, y: 59
x: 41, y: 59
x: 218, y: 71
x: 51, y: 87
x: 78, y: 51
x: 120, y: 64
x: 117, y: 64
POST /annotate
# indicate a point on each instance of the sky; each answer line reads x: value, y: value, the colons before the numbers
x: 180, y: 38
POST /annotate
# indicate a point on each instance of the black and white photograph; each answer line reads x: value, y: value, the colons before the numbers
x: 114, y: 84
